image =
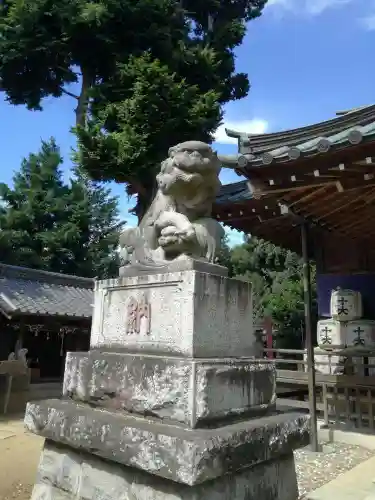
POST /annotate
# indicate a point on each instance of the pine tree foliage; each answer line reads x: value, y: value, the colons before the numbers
x: 151, y: 73
x: 48, y: 224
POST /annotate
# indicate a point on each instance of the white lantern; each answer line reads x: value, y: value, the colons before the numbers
x: 331, y: 334
x: 346, y: 305
x: 327, y: 364
x: 360, y: 333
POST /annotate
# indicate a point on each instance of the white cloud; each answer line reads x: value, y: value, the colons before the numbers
x: 286, y: 4
x: 310, y: 7
x: 256, y: 126
x: 368, y: 22
x: 316, y: 7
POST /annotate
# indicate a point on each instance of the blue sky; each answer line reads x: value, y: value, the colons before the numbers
x: 306, y: 60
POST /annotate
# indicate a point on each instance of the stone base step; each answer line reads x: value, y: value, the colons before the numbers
x: 175, y: 453
x: 64, y: 474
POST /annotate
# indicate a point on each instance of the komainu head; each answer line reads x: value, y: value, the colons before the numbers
x: 190, y: 175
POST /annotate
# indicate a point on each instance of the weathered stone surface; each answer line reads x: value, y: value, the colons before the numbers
x: 183, y: 455
x: 42, y: 491
x: 174, y: 266
x: 186, y: 313
x: 192, y: 392
x: 65, y: 474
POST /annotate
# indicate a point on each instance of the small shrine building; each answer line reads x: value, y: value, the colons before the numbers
x: 46, y: 313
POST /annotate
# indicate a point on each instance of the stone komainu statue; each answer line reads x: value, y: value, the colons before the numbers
x: 178, y: 223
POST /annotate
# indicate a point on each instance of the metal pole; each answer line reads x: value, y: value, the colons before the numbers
x: 309, y: 339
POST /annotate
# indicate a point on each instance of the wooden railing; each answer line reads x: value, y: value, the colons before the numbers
x: 343, y: 399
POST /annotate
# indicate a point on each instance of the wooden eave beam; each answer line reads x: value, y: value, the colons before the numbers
x: 278, y: 230
x: 284, y: 175
x: 260, y: 188
x: 272, y: 213
x: 340, y: 175
x: 370, y: 196
x: 270, y: 186
x: 350, y: 218
x: 309, y: 197
x: 366, y: 165
x: 364, y: 203
x: 306, y: 181
x: 265, y: 210
x: 345, y: 204
x: 333, y: 201
x: 324, y: 198
x: 364, y: 233
x: 354, y: 226
x: 351, y: 184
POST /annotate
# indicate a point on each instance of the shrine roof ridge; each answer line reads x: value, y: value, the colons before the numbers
x: 27, y: 273
x: 349, y: 129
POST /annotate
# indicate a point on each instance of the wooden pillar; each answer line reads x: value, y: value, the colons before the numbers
x: 309, y: 336
x: 268, y: 327
x: 20, y: 337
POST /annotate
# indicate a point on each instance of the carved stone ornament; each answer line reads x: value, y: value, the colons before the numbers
x: 138, y: 316
x: 178, y: 223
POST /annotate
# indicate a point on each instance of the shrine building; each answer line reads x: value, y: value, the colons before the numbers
x: 321, y: 176
x: 46, y: 313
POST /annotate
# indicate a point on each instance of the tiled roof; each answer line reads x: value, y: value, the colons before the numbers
x: 233, y: 193
x: 26, y: 291
x: 351, y: 128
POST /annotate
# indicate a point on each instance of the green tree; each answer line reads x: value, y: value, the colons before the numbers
x: 266, y: 259
x: 276, y: 275
x: 152, y: 73
x: 285, y: 304
x: 47, y: 224
x: 46, y: 46
x: 127, y: 140
x: 31, y: 211
x: 224, y: 254
x: 95, y: 218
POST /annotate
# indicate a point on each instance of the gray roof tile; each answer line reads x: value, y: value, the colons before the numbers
x: 33, y: 292
x: 343, y: 131
x: 233, y: 193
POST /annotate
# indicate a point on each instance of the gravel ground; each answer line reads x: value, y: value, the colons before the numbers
x: 316, y: 469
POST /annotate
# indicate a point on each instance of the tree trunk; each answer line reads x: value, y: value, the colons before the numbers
x: 143, y: 203
x: 83, y: 99
x: 145, y: 194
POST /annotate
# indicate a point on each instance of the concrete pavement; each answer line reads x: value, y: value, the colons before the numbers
x: 356, y: 484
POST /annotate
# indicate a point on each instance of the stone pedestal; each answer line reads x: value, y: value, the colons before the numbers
x: 170, y: 402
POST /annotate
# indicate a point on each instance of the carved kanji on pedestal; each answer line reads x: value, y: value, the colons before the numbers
x: 136, y: 310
